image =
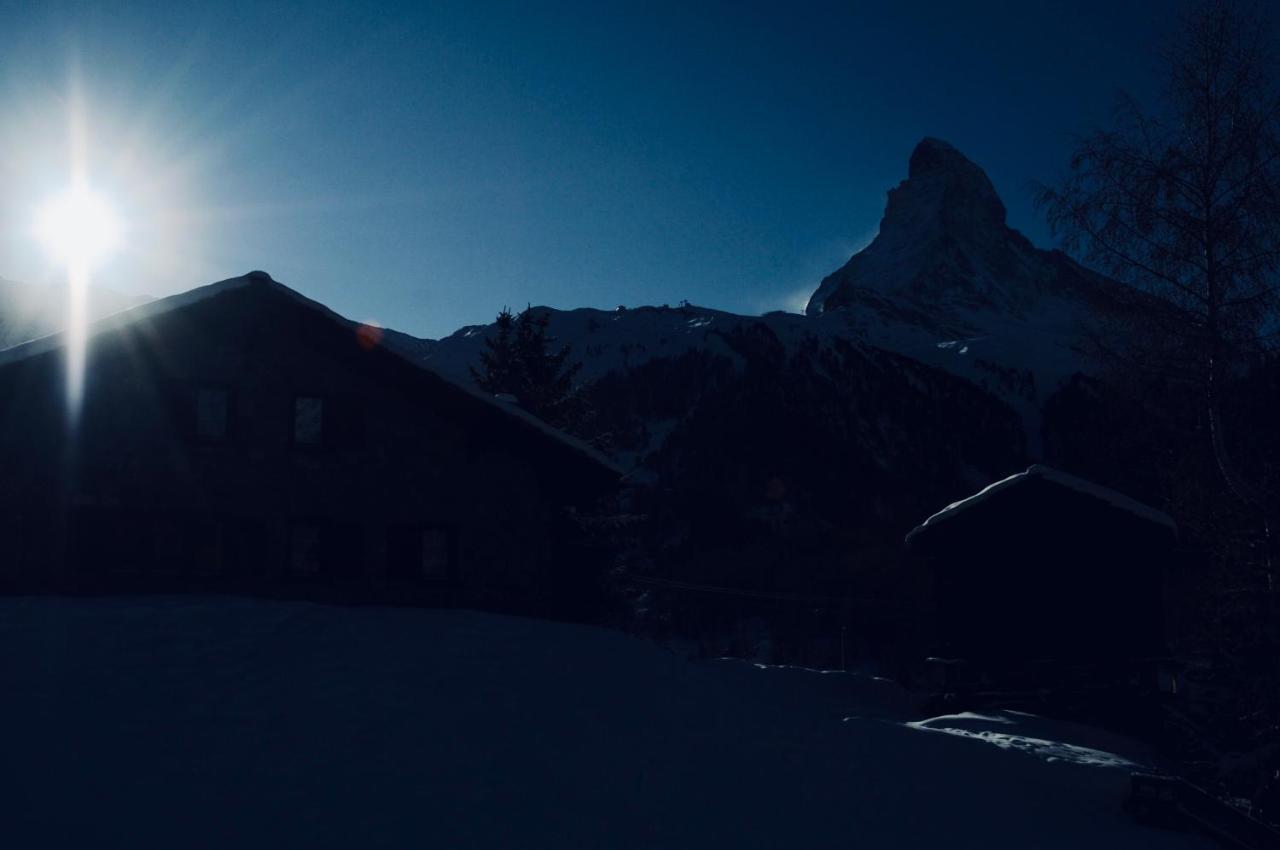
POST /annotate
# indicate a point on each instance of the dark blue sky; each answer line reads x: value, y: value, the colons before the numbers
x: 424, y: 165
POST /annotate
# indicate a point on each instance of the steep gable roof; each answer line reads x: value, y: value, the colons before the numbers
x: 161, y: 306
x: 1061, y: 479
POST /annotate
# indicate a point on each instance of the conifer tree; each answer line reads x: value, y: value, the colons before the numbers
x: 520, y: 359
x: 497, y: 362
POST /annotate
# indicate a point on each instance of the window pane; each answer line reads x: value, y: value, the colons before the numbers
x: 308, y: 420
x: 211, y: 413
x: 435, y: 553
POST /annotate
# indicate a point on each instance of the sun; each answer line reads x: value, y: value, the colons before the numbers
x: 78, y: 228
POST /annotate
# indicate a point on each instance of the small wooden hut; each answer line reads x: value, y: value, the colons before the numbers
x: 1043, y: 566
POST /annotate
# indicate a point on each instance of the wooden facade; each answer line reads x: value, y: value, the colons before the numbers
x: 240, y: 437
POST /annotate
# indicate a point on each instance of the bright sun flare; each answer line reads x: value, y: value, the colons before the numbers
x: 78, y: 228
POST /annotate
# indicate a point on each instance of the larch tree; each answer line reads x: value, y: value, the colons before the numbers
x: 1183, y: 203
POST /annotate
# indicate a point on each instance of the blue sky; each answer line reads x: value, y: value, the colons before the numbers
x: 424, y: 165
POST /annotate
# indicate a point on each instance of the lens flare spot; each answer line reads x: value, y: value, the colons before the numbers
x: 368, y: 336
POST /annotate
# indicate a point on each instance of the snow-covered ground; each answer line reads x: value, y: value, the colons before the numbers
x: 196, y: 722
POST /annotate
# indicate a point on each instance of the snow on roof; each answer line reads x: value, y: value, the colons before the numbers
x: 1053, y: 476
x: 162, y: 306
x: 115, y: 321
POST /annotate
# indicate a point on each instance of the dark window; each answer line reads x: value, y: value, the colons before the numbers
x: 328, y: 422
x: 422, y: 553
x: 308, y: 421
x: 435, y: 561
x: 213, y: 413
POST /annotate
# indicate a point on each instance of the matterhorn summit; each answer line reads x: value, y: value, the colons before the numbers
x: 945, y: 250
x: 947, y: 281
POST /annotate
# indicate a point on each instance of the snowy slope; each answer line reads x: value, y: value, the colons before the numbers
x: 612, y: 341
x: 162, y: 723
x: 608, y: 341
x: 653, y: 374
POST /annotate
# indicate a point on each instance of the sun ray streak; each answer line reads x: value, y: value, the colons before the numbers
x: 77, y: 334
x: 79, y: 230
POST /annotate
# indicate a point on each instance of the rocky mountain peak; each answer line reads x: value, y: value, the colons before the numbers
x: 944, y: 182
x: 935, y: 155
x: 943, y: 243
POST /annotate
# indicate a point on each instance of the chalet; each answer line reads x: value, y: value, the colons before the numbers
x: 242, y: 437
x: 1044, y: 566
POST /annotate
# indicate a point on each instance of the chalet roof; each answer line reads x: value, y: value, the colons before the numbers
x: 161, y: 306
x: 1043, y: 473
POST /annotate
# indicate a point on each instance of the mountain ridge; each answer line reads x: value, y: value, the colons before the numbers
x: 946, y: 282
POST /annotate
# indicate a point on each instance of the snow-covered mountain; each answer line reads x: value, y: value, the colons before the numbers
x: 947, y: 281
x: 659, y: 365
x: 922, y: 369
x: 623, y: 339
x: 944, y: 247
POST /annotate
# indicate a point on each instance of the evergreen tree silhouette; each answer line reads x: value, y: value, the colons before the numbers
x: 520, y: 359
